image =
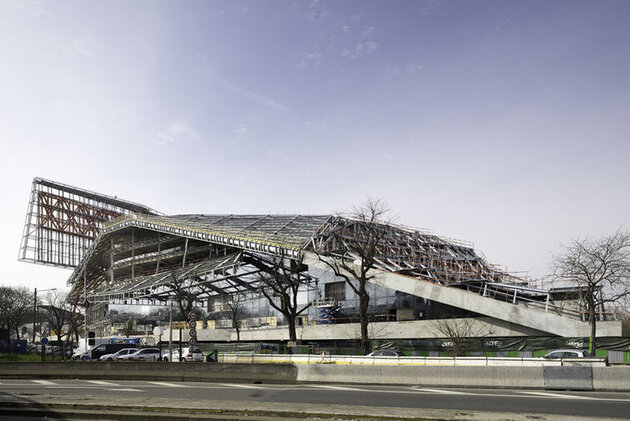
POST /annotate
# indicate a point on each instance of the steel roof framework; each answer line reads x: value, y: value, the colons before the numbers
x: 62, y: 221
x: 142, y: 256
x: 139, y: 256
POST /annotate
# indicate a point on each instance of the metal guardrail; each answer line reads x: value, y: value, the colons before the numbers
x: 403, y: 361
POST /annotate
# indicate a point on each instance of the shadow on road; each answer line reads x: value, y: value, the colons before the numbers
x: 12, y: 406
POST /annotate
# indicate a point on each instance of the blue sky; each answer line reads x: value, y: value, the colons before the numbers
x: 504, y: 123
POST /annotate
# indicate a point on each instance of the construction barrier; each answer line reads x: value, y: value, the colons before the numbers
x: 407, y: 361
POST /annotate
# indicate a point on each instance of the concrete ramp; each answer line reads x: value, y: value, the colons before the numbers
x: 517, y: 313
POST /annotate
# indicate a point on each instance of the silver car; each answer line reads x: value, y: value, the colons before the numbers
x: 116, y: 356
x: 566, y: 353
x: 145, y: 354
x: 188, y: 354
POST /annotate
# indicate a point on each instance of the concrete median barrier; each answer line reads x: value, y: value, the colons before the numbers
x: 267, y: 373
x: 499, y: 377
x: 570, y: 378
x: 611, y: 378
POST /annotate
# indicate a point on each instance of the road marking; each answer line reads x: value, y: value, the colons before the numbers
x: 558, y: 395
x: 562, y: 396
x: 125, y: 390
x: 443, y: 392
x: 168, y: 384
x: 242, y: 386
x: 44, y: 382
x: 103, y: 383
x: 352, y: 389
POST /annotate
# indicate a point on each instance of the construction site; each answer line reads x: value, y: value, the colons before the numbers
x: 124, y: 255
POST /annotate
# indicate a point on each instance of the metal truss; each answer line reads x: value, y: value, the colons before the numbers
x: 62, y: 221
x: 149, y: 257
x: 143, y: 256
x: 280, y: 235
x: 411, y: 252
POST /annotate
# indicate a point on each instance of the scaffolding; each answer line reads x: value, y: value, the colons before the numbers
x: 62, y: 222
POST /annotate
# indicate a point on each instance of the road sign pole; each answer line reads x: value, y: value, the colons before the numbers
x: 170, y: 331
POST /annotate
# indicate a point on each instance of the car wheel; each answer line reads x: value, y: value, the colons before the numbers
x: 165, y: 359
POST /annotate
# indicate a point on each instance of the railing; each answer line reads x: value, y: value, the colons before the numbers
x: 406, y: 361
x: 240, y: 238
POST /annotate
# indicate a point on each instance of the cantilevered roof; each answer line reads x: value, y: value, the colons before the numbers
x: 279, y: 235
x: 283, y: 235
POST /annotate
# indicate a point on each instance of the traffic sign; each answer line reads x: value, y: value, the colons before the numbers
x: 192, y: 333
x: 44, y: 341
x: 192, y: 315
x: 192, y: 324
x: 192, y: 341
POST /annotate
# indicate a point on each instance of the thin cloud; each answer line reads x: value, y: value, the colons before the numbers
x: 313, y: 59
x: 242, y: 131
x: 360, y: 50
x: 33, y: 7
x: 81, y: 47
x: 254, y: 96
x: 177, y: 131
x: 367, y: 31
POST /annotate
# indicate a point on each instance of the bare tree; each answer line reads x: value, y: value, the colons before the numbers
x: 280, y: 285
x: 57, y: 315
x: 601, y: 270
x: 128, y: 322
x: 57, y: 312
x: 15, y: 304
x: 355, y: 248
x: 234, y: 303
x: 185, y: 295
x: 460, y: 333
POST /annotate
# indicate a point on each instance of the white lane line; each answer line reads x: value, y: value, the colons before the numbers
x: 168, y: 384
x: 242, y: 386
x: 560, y: 396
x: 102, y: 383
x: 443, y: 392
x: 128, y: 389
x: 44, y: 382
x: 352, y: 389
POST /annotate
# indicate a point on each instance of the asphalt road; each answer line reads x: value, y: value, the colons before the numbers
x: 388, y: 400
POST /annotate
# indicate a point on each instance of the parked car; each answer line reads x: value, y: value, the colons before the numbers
x: 145, y: 354
x: 567, y: 353
x: 188, y: 354
x: 115, y: 356
x: 98, y: 351
x: 385, y: 353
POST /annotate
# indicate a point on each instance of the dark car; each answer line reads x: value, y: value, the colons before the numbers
x: 103, y: 349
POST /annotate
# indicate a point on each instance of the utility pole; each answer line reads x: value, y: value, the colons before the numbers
x: 86, y: 304
x: 34, y: 313
x: 170, y: 331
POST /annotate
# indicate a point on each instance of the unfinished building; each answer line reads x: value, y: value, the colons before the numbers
x: 126, y: 253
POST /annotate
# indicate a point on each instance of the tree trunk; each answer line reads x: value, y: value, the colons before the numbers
x: 364, y: 300
x: 292, y: 334
x: 593, y: 344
